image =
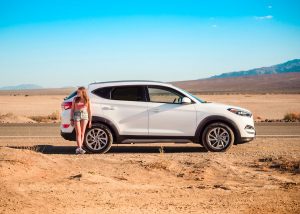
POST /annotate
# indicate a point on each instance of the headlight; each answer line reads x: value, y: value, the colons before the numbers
x: 240, y: 112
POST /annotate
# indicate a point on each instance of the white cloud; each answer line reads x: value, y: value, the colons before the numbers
x: 214, y: 26
x: 263, y: 17
x: 270, y: 6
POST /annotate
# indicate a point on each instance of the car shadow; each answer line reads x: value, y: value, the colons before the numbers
x: 116, y: 149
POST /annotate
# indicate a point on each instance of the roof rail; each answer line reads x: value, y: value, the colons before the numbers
x: 126, y: 81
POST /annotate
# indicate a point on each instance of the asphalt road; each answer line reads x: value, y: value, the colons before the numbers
x: 52, y: 130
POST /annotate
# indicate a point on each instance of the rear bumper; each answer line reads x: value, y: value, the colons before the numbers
x: 68, y: 136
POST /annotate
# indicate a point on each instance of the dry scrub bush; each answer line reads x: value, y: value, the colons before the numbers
x: 51, y: 117
x: 292, y: 116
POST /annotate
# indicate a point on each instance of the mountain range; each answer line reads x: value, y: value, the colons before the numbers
x: 286, y: 67
x: 22, y: 87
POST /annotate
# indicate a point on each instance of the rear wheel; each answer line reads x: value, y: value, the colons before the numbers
x: 218, y: 137
x: 98, y: 139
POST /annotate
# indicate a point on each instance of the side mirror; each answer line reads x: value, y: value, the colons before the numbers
x: 186, y: 100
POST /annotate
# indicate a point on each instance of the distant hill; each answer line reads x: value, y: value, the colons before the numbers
x: 22, y: 87
x: 289, y: 66
x: 265, y: 83
x: 43, y: 91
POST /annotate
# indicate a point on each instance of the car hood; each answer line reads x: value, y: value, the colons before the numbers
x: 219, y: 106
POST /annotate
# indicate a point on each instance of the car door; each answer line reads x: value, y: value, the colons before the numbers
x: 127, y: 108
x: 167, y: 115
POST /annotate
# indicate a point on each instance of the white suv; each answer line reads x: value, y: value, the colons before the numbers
x: 147, y: 111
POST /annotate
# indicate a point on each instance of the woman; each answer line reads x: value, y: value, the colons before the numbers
x: 81, y: 116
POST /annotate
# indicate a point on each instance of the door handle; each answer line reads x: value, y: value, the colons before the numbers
x: 156, y: 110
x: 108, y: 108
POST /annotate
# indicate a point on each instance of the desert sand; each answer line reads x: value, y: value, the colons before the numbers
x: 264, y: 106
x: 258, y: 177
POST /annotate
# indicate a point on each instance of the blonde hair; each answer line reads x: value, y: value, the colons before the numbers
x: 84, y: 95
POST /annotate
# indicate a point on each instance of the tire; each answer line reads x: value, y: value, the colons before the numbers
x: 217, y: 137
x: 98, y: 139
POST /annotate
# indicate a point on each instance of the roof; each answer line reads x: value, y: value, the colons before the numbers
x: 95, y: 85
x: 126, y: 81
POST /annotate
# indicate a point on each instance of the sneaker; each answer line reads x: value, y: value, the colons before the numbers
x: 77, y: 151
x: 82, y: 151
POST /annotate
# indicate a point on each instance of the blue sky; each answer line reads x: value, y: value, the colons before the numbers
x: 70, y: 43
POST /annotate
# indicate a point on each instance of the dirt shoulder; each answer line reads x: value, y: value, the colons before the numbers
x: 258, y: 177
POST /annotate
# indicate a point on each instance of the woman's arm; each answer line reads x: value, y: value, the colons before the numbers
x: 90, y: 114
x: 72, y: 113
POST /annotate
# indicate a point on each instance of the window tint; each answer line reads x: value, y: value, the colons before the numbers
x: 164, y: 95
x: 128, y: 93
x: 73, y: 94
x: 103, y: 92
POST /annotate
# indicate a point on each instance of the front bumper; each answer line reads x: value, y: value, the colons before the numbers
x: 246, y: 139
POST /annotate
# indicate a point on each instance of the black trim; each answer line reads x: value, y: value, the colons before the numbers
x: 246, y: 139
x: 69, y: 136
x: 154, y: 137
x: 216, y: 118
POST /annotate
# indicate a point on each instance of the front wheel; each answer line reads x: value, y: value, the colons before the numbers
x: 98, y: 139
x: 217, y: 137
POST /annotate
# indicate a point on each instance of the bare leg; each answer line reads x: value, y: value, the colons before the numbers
x: 78, y: 133
x: 83, y: 124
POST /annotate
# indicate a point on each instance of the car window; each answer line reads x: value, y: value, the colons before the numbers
x: 73, y: 94
x: 194, y: 96
x: 164, y: 95
x: 103, y: 92
x: 128, y: 93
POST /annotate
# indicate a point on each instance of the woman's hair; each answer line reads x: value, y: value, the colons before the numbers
x: 84, y: 95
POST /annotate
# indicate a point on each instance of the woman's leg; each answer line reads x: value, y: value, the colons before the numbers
x: 78, y: 133
x: 83, y: 124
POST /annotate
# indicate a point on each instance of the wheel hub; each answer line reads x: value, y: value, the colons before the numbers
x: 96, y: 139
x: 218, y: 138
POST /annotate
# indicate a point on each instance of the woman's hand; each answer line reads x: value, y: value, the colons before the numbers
x: 90, y: 124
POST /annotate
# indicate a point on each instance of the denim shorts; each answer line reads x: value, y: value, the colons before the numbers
x: 81, y: 115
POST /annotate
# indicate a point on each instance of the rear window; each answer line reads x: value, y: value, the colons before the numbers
x: 128, y: 93
x: 73, y: 94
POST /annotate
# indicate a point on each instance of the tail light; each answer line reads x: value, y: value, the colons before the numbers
x: 66, y: 105
x: 65, y: 126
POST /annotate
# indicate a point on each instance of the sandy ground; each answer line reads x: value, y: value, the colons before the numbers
x: 258, y: 177
x: 30, y: 105
x: 268, y: 106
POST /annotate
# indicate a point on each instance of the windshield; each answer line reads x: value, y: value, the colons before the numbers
x: 197, y: 98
